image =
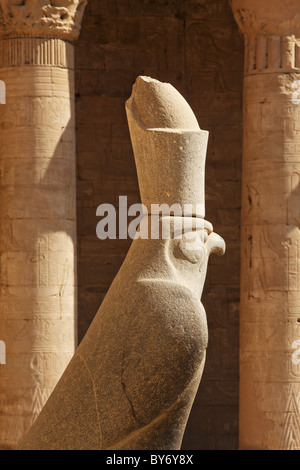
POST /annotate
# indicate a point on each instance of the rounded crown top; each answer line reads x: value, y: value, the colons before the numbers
x: 158, y: 105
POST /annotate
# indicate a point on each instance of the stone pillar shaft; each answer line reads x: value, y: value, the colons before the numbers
x: 37, y: 223
x: 270, y: 236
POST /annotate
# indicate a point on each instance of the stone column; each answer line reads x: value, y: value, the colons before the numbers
x: 37, y: 205
x: 270, y: 236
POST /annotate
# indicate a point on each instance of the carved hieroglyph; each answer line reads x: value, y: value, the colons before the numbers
x: 37, y: 207
x: 270, y: 236
x: 133, y: 378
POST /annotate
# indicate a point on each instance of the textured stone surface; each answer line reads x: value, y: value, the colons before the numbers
x: 270, y: 281
x: 37, y: 241
x: 196, y: 46
x: 37, y: 209
x: 256, y: 17
x: 133, y: 379
x: 166, y: 159
x: 41, y: 18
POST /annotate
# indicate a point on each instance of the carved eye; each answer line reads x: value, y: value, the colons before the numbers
x: 192, y: 245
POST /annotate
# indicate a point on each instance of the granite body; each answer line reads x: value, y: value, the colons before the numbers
x: 133, y: 378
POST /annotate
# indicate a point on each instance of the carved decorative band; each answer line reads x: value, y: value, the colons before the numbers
x: 272, y: 53
x: 36, y: 51
x: 40, y: 18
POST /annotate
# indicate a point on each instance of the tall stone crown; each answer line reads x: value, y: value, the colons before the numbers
x: 41, y: 18
x: 169, y: 147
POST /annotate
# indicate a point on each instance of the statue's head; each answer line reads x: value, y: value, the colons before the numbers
x: 189, y: 251
x: 183, y: 244
x: 170, y: 151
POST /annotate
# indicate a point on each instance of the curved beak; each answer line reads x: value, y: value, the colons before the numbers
x: 216, y: 244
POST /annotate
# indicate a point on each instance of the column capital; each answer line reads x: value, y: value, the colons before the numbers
x: 275, y: 17
x: 272, y: 34
x: 41, y: 18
